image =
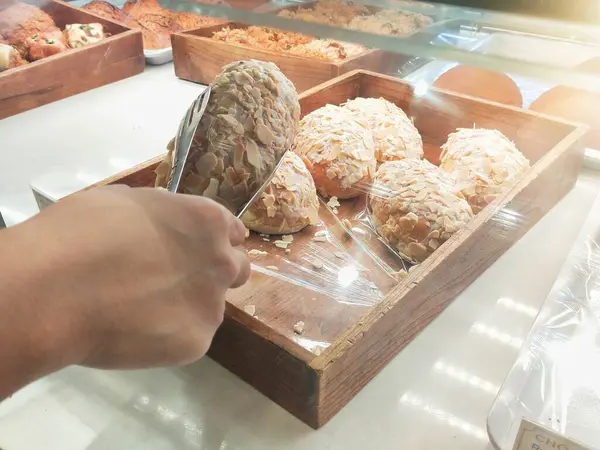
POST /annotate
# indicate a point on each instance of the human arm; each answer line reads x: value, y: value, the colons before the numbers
x: 115, y: 278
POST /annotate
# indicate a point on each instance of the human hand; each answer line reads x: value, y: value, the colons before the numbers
x: 136, y: 277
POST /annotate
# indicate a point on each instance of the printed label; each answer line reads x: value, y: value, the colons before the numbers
x: 532, y: 436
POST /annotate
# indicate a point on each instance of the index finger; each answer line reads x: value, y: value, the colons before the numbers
x: 237, y: 231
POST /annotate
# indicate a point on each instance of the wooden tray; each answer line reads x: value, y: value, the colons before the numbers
x: 266, y: 353
x: 74, y: 71
x: 199, y: 58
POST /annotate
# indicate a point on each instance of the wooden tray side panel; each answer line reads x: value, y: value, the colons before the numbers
x: 200, y: 59
x: 75, y: 71
x: 284, y: 378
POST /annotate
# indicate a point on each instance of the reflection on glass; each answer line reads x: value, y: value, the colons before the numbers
x: 443, y: 416
x: 521, y: 308
x: 347, y: 275
x: 462, y: 376
x: 496, y: 335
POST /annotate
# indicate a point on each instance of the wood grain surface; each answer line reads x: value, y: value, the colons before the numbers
x: 344, y: 345
x: 199, y: 58
x: 74, y: 71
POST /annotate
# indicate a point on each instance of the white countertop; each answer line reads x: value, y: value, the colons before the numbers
x: 435, y: 394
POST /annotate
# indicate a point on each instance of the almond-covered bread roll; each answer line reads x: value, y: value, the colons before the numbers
x: 338, y: 150
x: 289, y: 203
x: 394, y: 134
x: 249, y: 123
x: 483, y: 163
x: 416, y: 207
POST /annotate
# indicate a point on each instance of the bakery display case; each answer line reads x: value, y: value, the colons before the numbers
x: 424, y: 140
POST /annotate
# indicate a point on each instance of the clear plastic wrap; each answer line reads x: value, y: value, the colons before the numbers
x: 556, y: 380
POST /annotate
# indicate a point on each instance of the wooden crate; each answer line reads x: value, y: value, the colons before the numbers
x: 199, y: 58
x: 74, y: 71
x: 266, y: 353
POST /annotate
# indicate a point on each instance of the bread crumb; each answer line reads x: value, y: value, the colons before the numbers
x: 288, y: 251
x: 275, y: 268
x: 288, y: 238
x: 265, y: 235
x: 318, y: 351
x: 319, y: 239
x: 281, y: 244
x: 347, y: 224
x: 250, y: 309
x: 333, y: 202
x: 339, y: 255
x: 321, y: 233
x: 255, y: 252
x: 317, y: 264
x: 266, y: 240
x: 299, y: 327
x: 400, y: 274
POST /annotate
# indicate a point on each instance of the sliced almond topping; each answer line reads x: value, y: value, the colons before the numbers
x: 281, y: 244
x: 252, y: 153
x: 288, y: 238
x: 206, y: 164
x: 255, y: 252
x: 317, y: 264
x: 333, y: 202
x: 212, y: 191
x: 264, y: 135
x: 321, y: 233
x: 299, y: 327
x: 250, y: 309
x: 274, y: 268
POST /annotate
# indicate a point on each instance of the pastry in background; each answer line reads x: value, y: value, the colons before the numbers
x: 106, y: 10
x: 338, y: 150
x: 190, y: 21
x: 20, y: 21
x: 10, y: 57
x: 42, y: 45
x: 249, y: 123
x: 289, y: 203
x: 81, y: 35
x: 483, y: 163
x: 481, y: 83
x: 156, y: 23
x: 394, y: 134
x: 575, y: 105
x: 416, y: 207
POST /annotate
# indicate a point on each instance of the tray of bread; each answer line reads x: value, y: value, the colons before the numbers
x: 389, y: 203
x: 48, y: 47
x: 307, y: 60
x: 155, y: 22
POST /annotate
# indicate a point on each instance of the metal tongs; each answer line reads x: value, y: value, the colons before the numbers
x: 183, y: 142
